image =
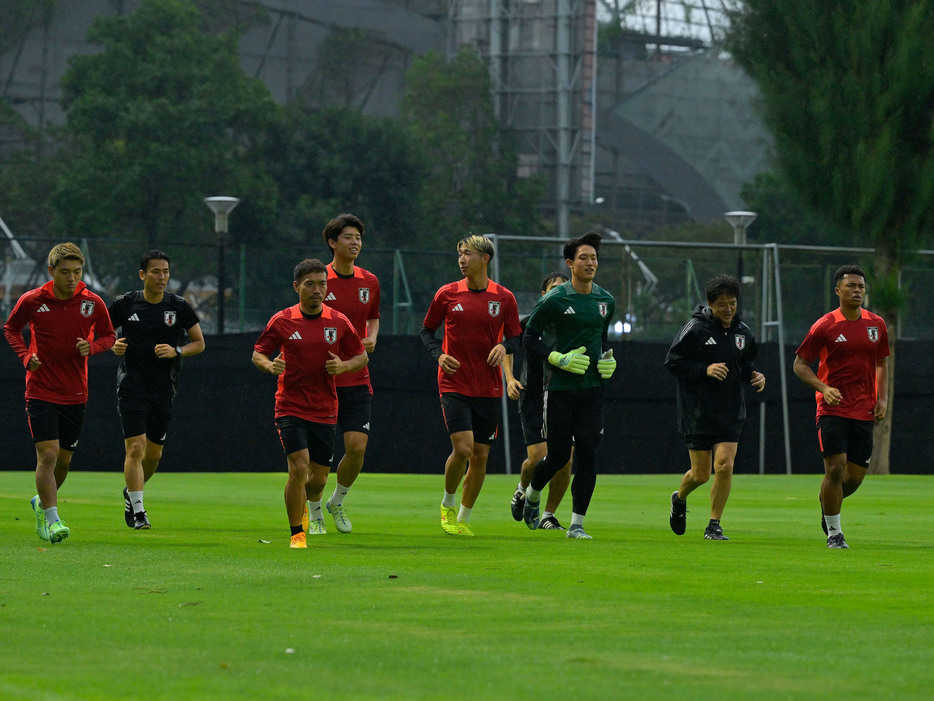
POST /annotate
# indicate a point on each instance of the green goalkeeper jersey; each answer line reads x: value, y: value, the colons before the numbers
x: 574, y: 320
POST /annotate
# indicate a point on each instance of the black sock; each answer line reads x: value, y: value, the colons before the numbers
x: 296, y: 529
x: 714, y: 522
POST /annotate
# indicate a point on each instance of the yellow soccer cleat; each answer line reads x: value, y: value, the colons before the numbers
x: 298, y: 541
x: 449, y: 520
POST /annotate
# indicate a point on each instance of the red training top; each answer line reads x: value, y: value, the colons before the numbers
x: 55, y: 326
x: 306, y: 390
x: 848, y: 352
x: 474, y: 322
x: 357, y: 298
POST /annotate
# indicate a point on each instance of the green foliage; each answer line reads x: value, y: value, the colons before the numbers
x: 472, y: 184
x: 784, y: 218
x: 848, y: 92
x: 160, y: 118
x: 339, y: 160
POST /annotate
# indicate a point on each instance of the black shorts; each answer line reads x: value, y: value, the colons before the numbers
x: 477, y: 414
x: 297, y: 434
x: 50, y: 422
x: 699, y: 442
x: 852, y: 437
x: 532, y: 417
x: 353, y: 408
x: 139, y: 416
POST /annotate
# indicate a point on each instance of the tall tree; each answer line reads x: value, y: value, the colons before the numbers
x: 472, y: 184
x: 160, y: 118
x: 848, y: 94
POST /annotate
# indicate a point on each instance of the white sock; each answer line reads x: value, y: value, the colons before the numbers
x: 51, y: 514
x: 533, y: 495
x: 136, y: 499
x: 337, y: 498
x: 520, y: 488
x: 448, y: 501
x: 314, y: 511
x: 577, y: 519
x: 833, y: 524
x: 464, y: 514
x: 547, y: 514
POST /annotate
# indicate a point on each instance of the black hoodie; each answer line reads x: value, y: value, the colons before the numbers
x: 706, y: 406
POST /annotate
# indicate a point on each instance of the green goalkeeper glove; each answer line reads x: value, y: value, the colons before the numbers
x: 606, y: 366
x: 576, y: 361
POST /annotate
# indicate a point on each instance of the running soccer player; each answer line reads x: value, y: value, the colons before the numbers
x: 530, y: 391
x: 851, y: 345
x: 153, y: 324
x: 577, y: 315
x: 67, y: 324
x: 478, y: 314
x: 354, y: 292
x: 713, y: 358
x: 310, y: 343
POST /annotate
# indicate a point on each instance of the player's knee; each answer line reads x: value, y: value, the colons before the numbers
x: 724, y: 468
x: 700, y: 475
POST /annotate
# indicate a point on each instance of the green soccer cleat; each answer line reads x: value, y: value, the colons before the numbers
x: 449, y: 520
x: 463, y: 528
x: 58, y: 531
x: 42, y: 526
x: 341, y: 522
x: 316, y: 527
x: 576, y: 531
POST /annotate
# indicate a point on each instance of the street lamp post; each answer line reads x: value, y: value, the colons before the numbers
x: 221, y: 206
x: 740, y: 221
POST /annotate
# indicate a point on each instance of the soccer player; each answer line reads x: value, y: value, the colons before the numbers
x: 530, y: 392
x: 478, y: 314
x: 153, y: 324
x: 306, y: 346
x: 851, y: 345
x: 713, y: 358
x: 67, y: 324
x: 354, y: 292
x: 577, y: 315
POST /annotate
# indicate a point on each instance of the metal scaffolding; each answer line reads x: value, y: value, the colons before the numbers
x: 542, y: 58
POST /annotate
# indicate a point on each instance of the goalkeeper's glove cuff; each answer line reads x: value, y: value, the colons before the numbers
x: 606, y: 366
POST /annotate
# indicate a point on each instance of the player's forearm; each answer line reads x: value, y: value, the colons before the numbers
x: 262, y: 362
x: 358, y: 362
x: 17, y: 343
x: 103, y: 343
x: 431, y: 343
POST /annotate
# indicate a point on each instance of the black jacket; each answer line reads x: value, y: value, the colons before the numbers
x: 706, y: 406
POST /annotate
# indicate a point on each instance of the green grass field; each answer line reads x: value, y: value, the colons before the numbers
x: 202, y: 607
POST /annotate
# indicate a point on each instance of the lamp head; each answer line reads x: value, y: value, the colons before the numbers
x: 740, y: 220
x: 221, y: 206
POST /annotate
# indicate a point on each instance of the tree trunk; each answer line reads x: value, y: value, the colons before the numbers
x: 882, y: 431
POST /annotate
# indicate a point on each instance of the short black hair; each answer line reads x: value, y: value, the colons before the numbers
x: 308, y: 266
x: 334, y: 227
x: 591, y: 238
x: 722, y: 284
x: 153, y: 254
x: 554, y: 275
x: 847, y: 270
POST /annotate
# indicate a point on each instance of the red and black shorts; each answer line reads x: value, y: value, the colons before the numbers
x: 297, y: 434
x: 477, y: 414
x: 851, y: 437
x: 50, y: 422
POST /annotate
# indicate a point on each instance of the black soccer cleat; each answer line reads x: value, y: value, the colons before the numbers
x: 140, y: 522
x: 517, y: 504
x: 714, y: 532
x: 837, y: 542
x: 550, y: 524
x: 678, y: 519
x: 530, y: 514
x: 127, y: 509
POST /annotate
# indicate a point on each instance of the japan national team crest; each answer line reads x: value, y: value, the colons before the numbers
x: 169, y: 318
x: 740, y: 341
x: 873, y: 332
x: 364, y: 294
x: 494, y: 308
x: 87, y: 308
x: 330, y: 334
x: 603, y: 307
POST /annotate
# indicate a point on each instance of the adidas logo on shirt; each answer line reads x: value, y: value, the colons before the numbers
x: 840, y: 339
x: 330, y: 297
x: 458, y: 307
x: 570, y: 310
x: 295, y: 336
x: 44, y: 308
x: 134, y: 317
x: 710, y: 342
